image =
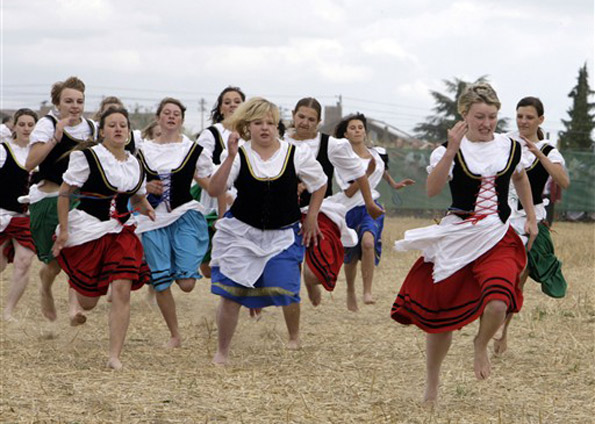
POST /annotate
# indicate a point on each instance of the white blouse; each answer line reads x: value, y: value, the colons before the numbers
x: 454, y: 242
x: 124, y: 175
x: 242, y: 251
x: 163, y: 158
x: 358, y: 199
x: 518, y: 217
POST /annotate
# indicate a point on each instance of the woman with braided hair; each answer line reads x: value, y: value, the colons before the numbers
x: 472, y: 260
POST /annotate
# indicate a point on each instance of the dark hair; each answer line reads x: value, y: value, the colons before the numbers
x: 341, y: 127
x: 72, y: 82
x: 538, y: 106
x: 172, y: 101
x: 22, y: 112
x: 5, y: 118
x: 18, y: 114
x: 216, y: 115
x: 310, y: 102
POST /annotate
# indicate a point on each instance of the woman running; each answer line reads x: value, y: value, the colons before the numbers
x: 472, y: 260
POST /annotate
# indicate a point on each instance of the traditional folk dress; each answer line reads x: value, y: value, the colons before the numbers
x: 214, y: 140
x: 336, y: 157
x: 102, y: 246
x: 357, y: 216
x: 42, y: 205
x: 14, y: 219
x: 177, y: 240
x: 544, y: 267
x: 473, y: 256
x: 257, y: 249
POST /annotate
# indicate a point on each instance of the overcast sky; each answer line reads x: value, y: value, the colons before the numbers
x: 382, y: 56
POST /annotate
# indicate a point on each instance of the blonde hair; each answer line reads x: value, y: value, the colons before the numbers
x: 480, y: 92
x: 253, y: 109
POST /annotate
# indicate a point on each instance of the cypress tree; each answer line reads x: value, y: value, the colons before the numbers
x: 579, y: 127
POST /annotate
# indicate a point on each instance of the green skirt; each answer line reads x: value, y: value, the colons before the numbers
x: 543, y: 265
x: 211, y: 219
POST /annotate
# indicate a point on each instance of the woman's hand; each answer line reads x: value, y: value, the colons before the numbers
x: 155, y: 187
x: 310, y: 231
x: 371, y: 167
x: 374, y: 210
x: 60, y: 242
x: 455, y: 136
x: 403, y: 183
x: 233, y: 144
x: 531, y: 230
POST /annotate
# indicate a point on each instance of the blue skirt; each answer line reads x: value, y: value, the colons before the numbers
x: 358, y: 219
x: 279, y: 284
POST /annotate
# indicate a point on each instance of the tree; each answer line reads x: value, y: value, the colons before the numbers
x: 580, y: 126
x: 436, y: 126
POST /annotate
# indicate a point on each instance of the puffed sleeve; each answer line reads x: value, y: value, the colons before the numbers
x: 556, y: 157
x: 344, y: 160
x: 204, y: 165
x: 3, y: 155
x: 207, y: 141
x: 436, y: 156
x: 43, y: 131
x: 78, y: 169
x: 308, y: 169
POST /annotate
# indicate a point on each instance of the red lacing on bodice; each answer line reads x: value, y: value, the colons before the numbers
x: 486, y: 203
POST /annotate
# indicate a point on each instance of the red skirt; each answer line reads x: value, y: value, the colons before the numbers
x: 326, y: 259
x: 18, y: 229
x: 92, y: 266
x: 460, y: 299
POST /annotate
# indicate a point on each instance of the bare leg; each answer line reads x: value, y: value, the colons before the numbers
x: 492, y: 318
x: 150, y: 296
x: 77, y: 317
x: 20, y: 278
x: 165, y: 300
x: 368, y: 263
x: 47, y: 275
x: 312, y: 285
x: 350, y: 275
x: 227, y: 320
x: 186, y: 284
x: 205, y: 270
x: 119, y: 318
x: 291, y: 313
x: 3, y: 259
x: 437, y: 346
x: 501, y: 343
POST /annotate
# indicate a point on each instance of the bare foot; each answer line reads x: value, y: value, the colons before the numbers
x: 294, y: 345
x: 173, y: 343
x: 8, y: 317
x: 500, y: 346
x: 219, y: 359
x: 48, y: 308
x: 256, y: 313
x: 314, y: 294
x: 114, y: 363
x: 481, y: 361
x: 77, y: 319
x: 368, y: 299
x: 352, y: 302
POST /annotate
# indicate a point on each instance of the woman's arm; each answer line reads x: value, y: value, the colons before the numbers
x: 218, y: 182
x: 439, y: 175
x: 140, y: 203
x: 556, y: 170
x: 310, y: 229
x: 397, y: 185
x: 523, y: 189
x: 63, y: 208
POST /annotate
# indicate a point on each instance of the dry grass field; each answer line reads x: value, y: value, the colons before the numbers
x: 353, y: 368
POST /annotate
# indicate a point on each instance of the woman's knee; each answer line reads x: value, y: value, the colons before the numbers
x: 368, y: 242
x: 495, y: 307
x: 186, y: 284
x: 121, y: 290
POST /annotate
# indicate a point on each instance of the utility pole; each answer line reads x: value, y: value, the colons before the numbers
x: 202, y: 113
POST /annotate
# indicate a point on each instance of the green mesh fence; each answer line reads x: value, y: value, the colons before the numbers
x: 412, y: 164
